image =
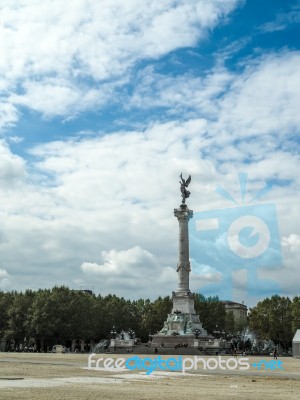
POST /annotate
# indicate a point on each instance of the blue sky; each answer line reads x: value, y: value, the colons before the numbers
x: 103, y: 104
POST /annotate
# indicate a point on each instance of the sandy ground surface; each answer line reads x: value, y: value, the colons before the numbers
x: 65, y: 376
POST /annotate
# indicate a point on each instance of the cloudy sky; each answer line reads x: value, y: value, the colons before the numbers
x: 103, y: 104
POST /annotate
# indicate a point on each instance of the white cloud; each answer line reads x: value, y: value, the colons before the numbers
x: 4, y: 279
x: 282, y: 21
x: 61, y: 58
x: 261, y: 99
x: 3, y: 273
x: 8, y: 113
x: 264, y: 98
x: 77, y: 199
x: 12, y: 167
x: 185, y: 93
x: 100, y: 198
x: 134, y: 273
x: 118, y: 192
x: 287, y: 275
x: 291, y: 242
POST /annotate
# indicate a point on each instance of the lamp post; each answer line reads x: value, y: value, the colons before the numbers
x: 113, y: 332
x: 216, y: 331
x: 131, y: 333
x: 222, y: 340
x: 197, y: 331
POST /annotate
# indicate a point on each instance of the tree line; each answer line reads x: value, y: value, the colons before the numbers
x: 276, y: 318
x: 60, y: 314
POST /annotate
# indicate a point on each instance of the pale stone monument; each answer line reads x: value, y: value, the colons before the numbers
x: 58, y: 348
x: 183, y: 324
x: 296, y: 344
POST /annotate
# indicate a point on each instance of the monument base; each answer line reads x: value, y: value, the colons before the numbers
x: 121, y: 343
x: 160, y: 340
x: 183, y: 324
x: 183, y: 302
x: 206, y: 345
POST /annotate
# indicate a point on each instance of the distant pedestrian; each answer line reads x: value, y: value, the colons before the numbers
x: 275, y: 353
x: 155, y: 350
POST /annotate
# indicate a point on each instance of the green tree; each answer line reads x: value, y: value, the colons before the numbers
x: 142, y: 310
x: 211, y: 311
x: 6, y: 300
x: 42, y: 316
x: 272, y: 319
x: 295, y: 314
x: 81, y: 315
x: 18, y: 316
x: 240, y: 324
x: 229, y: 323
x: 158, y: 313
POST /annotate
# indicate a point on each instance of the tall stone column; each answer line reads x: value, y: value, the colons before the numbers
x: 183, y: 301
x: 182, y: 322
x: 183, y: 214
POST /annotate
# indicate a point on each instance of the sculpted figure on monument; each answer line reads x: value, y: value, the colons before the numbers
x: 177, y: 318
x: 183, y: 185
x: 166, y: 327
x: 189, y: 327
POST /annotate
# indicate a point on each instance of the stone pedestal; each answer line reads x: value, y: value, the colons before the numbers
x: 172, y: 340
x: 179, y: 323
x: 183, y: 302
x: 58, y: 349
x: 121, y: 343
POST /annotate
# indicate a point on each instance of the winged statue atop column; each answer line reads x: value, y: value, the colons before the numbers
x: 183, y: 185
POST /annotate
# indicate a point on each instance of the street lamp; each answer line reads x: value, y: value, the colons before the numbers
x: 131, y: 333
x: 113, y: 332
x: 216, y: 331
